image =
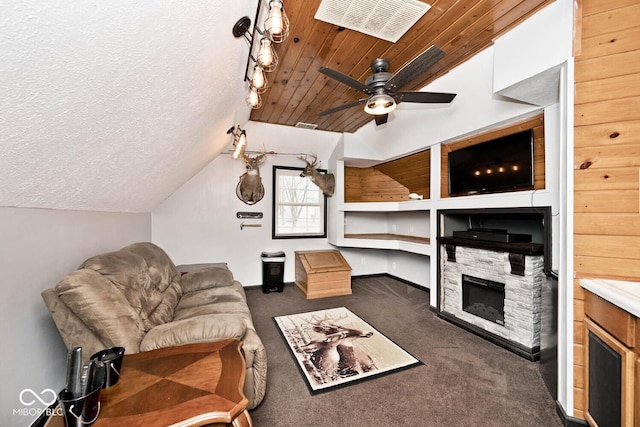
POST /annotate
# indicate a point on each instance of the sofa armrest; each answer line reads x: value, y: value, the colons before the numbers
x: 205, y: 278
x: 209, y: 327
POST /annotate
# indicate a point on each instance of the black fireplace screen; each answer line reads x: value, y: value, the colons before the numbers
x: 483, y: 298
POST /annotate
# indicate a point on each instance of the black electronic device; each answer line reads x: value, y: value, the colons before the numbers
x: 502, y: 164
x: 492, y: 235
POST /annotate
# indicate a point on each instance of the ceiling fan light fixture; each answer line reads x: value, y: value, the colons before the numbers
x: 277, y: 23
x: 380, y: 104
x: 267, y: 57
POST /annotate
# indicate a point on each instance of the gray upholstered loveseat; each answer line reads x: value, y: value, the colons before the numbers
x: 137, y: 299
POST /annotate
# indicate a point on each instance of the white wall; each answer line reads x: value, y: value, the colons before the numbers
x: 198, y: 222
x: 37, y: 249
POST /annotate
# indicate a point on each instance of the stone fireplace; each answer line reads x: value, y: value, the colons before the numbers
x: 494, y: 290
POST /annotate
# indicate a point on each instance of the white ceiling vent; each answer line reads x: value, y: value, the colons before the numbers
x: 303, y: 125
x: 385, y: 19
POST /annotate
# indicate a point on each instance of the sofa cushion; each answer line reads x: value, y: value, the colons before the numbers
x: 130, y: 275
x: 224, y: 300
x: 211, y: 327
x: 161, y: 269
x: 104, y: 310
x: 165, y: 311
x: 205, y: 278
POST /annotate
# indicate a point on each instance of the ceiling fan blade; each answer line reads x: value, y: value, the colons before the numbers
x: 343, y: 107
x: 381, y: 119
x: 344, y: 79
x: 413, y: 69
x: 424, y: 97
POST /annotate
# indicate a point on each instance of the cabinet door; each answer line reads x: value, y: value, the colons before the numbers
x: 609, y: 380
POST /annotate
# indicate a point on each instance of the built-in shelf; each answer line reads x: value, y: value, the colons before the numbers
x: 389, y: 236
x: 395, y: 244
x: 408, y: 205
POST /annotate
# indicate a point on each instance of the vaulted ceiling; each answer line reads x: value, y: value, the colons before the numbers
x: 112, y: 106
x: 299, y: 92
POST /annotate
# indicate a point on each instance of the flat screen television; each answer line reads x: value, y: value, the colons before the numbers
x: 502, y: 164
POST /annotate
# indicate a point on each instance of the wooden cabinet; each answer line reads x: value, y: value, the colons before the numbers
x: 322, y: 274
x: 611, y: 364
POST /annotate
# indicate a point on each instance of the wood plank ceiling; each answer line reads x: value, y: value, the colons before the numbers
x: 298, y: 92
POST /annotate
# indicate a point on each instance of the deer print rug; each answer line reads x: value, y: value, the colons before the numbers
x: 335, y: 347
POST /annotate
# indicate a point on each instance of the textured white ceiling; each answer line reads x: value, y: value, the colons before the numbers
x: 112, y: 106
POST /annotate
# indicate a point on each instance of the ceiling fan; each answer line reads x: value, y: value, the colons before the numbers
x: 382, y: 86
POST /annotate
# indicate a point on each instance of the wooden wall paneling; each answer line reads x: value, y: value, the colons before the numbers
x: 412, y: 171
x: 607, y: 134
x: 607, y: 66
x: 592, y: 7
x: 605, y: 44
x: 606, y: 156
x: 623, y: 86
x: 607, y: 268
x: 607, y: 246
x: 617, y: 224
x: 389, y: 181
x: 599, y: 157
x: 623, y: 178
x: 622, y: 109
x: 352, y: 184
x: 617, y: 17
x: 606, y: 201
x: 539, y: 163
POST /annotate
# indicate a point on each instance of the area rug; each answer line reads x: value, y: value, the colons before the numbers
x: 335, y: 347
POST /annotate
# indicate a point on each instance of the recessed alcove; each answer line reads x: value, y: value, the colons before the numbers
x: 390, y: 181
x: 478, y: 243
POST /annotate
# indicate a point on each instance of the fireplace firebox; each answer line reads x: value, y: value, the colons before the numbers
x: 483, y: 298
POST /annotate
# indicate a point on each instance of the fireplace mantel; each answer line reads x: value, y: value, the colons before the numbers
x: 514, y: 248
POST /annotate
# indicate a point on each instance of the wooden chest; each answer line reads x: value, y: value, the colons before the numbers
x: 323, y: 273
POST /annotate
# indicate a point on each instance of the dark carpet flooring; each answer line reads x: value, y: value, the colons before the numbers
x: 464, y: 380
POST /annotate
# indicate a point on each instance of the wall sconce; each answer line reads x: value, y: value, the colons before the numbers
x: 239, y: 140
x: 276, y: 30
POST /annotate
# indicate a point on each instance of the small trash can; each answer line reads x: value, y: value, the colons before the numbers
x: 272, y: 271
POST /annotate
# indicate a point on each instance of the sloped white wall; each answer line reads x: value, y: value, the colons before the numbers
x: 198, y: 222
x: 38, y: 247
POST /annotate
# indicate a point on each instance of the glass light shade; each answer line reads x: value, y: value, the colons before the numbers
x: 259, y: 80
x: 267, y: 58
x: 253, y: 99
x: 380, y: 104
x: 277, y: 23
